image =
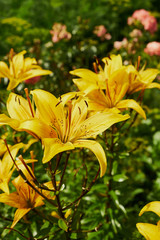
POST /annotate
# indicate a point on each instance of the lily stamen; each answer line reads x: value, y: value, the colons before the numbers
x: 138, y: 62
x: 95, y: 68
x: 29, y: 101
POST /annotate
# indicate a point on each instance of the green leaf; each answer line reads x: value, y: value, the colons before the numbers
x: 45, y: 225
x: 120, y: 178
x: 115, y: 166
x: 74, y: 236
x: 62, y: 224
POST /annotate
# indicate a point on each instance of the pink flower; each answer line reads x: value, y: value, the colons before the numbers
x: 59, y: 32
x: 140, y: 14
x: 130, y: 20
x: 121, y: 44
x: 153, y: 48
x: 136, y: 33
x: 33, y: 80
x: 149, y: 22
x: 101, y: 32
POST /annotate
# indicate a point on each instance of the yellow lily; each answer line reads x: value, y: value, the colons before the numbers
x: 115, y: 86
x: 150, y: 231
x: 60, y: 128
x: 25, y: 198
x: 141, y: 80
x: 19, y: 111
x: 6, y: 167
x: 89, y: 80
x: 20, y: 69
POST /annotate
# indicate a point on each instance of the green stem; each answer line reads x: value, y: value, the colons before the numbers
x: 53, y: 178
x: 84, y: 192
x: 109, y: 185
x: 64, y: 169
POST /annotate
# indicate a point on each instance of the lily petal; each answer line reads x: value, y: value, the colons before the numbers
x: 4, y: 186
x: 152, y: 206
x: 7, y: 161
x: 97, y: 149
x: 4, y: 70
x: 98, y: 123
x: 130, y: 103
x: 5, y: 120
x: 50, y: 110
x: 88, y: 80
x: 53, y: 146
x: 149, y: 231
x: 148, y: 75
x: 19, y: 214
x: 34, y: 73
x: 18, y: 107
x: 153, y: 85
x: 12, y: 199
x: 12, y: 83
x: 112, y: 63
x: 37, y: 128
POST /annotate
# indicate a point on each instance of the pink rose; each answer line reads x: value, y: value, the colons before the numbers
x: 140, y: 14
x: 153, y: 48
x: 101, y: 32
x: 59, y: 32
x: 130, y: 20
x: 149, y: 22
x: 121, y: 44
x: 136, y: 33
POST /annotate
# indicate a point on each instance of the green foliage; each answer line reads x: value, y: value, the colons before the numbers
x: 104, y: 212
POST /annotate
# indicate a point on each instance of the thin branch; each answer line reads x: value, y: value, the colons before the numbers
x: 12, y: 229
x: 84, y: 192
x: 64, y: 169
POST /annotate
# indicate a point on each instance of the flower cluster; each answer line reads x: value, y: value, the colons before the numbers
x: 59, y: 32
x: 153, y: 48
x: 107, y: 88
x: 148, y: 21
x: 64, y: 124
x: 101, y: 32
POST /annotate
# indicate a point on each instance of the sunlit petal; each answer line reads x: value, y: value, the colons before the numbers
x: 37, y: 128
x: 19, y: 214
x: 4, y: 70
x: 98, y: 123
x: 5, y: 120
x: 34, y: 73
x: 153, y: 85
x: 12, y: 199
x: 152, y: 206
x: 97, y: 149
x: 4, y: 186
x: 130, y: 103
x: 112, y: 63
x: 50, y: 110
x: 53, y: 146
x: 18, y: 107
x: 7, y: 161
x: 149, y: 231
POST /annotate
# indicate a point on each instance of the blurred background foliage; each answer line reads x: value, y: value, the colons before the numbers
x: 26, y: 24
